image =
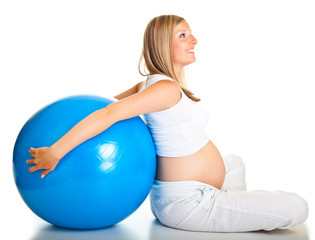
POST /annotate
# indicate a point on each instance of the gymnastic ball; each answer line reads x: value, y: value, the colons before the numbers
x: 97, y: 184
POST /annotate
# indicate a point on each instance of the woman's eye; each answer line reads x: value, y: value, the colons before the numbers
x: 183, y: 35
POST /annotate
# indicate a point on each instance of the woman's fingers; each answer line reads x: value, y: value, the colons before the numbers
x: 43, y: 160
x: 32, y: 151
x: 45, y: 172
x: 35, y: 168
x: 30, y: 161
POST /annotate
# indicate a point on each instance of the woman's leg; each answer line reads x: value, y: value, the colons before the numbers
x: 235, y: 173
x: 239, y: 211
x: 195, y: 206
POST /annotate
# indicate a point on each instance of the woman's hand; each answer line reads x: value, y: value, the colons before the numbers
x: 44, y: 158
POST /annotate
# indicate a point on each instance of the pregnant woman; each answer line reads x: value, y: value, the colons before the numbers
x: 195, y: 187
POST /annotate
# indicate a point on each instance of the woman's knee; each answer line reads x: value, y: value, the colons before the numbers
x: 292, y: 208
x: 233, y: 161
x: 299, y: 210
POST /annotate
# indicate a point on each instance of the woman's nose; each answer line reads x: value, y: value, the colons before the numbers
x: 193, y: 40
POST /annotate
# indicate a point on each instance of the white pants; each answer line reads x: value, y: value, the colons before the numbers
x: 196, y: 206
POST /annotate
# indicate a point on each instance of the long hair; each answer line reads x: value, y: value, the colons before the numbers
x: 157, y: 50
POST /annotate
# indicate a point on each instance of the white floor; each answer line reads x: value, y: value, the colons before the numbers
x: 18, y: 222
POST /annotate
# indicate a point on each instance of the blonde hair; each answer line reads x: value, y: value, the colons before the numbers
x: 157, y: 50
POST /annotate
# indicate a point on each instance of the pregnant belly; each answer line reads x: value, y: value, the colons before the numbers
x: 205, y: 166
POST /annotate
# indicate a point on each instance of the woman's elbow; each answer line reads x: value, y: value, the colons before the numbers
x: 115, y: 112
x: 103, y: 115
x: 109, y: 114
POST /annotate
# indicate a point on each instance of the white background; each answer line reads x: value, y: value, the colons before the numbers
x: 254, y: 72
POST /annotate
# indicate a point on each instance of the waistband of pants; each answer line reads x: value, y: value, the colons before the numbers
x: 178, y: 188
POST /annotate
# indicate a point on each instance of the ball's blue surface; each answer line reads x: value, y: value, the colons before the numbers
x: 97, y: 184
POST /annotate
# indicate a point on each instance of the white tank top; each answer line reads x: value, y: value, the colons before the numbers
x: 180, y: 130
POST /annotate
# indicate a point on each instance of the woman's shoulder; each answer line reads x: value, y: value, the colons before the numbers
x: 157, y: 77
x: 154, y: 78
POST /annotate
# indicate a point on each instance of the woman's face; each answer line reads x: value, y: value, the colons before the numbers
x: 183, y: 46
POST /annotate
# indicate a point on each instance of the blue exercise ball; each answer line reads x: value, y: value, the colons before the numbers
x: 97, y: 184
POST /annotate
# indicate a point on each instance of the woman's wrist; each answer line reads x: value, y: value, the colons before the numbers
x: 56, y: 152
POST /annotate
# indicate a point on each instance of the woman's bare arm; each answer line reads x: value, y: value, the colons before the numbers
x: 157, y: 97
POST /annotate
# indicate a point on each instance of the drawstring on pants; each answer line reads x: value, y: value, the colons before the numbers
x: 203, y: 191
